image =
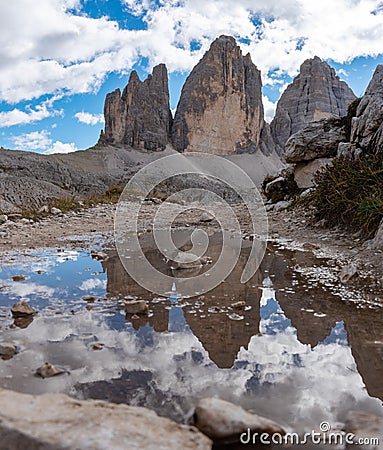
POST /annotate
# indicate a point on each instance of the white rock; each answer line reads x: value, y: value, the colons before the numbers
x: 100, y: 256
x: 3, y: 218
x: 44, y: 209
x: 56, y: 421
x: 280, y: 206
x: 348, y: 272
x: 224, y: 422
x: 56, y: 211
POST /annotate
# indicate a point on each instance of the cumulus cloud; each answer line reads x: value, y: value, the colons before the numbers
x: 89, y: 119
x: 30, y: 115
x: 41, y: 141
x: 58, y: 48
x: 61, y: 147
x: 269, y: 108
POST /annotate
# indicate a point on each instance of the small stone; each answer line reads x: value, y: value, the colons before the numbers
x: 280, y: 206
x: 48, y: 370
x: 206, y: 217
x: 19, y: 278
x: 225, y: 422
x: 25, y: 221
x: 3, y: 218
x: 97, y: 346
x: 44, y: 209
x: 185, y: 260
x: 89, y: 298
x: 7, y: 350
x: 100, y: 256
x: 55, y: 211
x: 136, y: 307
x: 238, y: 305
x: 348, y: 272
x: 22, y: 309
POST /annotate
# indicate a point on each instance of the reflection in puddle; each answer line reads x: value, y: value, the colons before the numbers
x: 299, y: 355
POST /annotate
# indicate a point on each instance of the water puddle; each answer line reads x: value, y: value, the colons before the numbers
x: 290, y: 350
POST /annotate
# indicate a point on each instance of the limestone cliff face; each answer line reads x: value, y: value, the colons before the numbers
x: 141, y: 117
x: 316, y: 93
x: 367, y: 126
x: 220, y: 109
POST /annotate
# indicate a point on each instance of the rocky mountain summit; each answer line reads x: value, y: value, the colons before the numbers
x: 316, y: 93
x: 367, y: 125
x: 139, y: 118
x: 220, y: 109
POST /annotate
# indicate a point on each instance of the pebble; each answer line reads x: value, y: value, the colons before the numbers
x: 48, y: 370
x: 22, y: 309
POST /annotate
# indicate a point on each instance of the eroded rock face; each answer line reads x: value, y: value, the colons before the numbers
x: 316, y: 93
x: 56, y: 421
x: 220, y: 109
x: 316, y: 140
x: 140, y: 117
x: 367, y: 126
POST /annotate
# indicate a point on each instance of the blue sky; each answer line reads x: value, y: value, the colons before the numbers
x: 58, y: 61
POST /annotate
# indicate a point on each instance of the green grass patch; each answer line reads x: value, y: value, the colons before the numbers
x: 349, y: 194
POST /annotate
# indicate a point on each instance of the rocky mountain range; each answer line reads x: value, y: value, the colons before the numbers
x: 316, y: 93
x: 220, y: 111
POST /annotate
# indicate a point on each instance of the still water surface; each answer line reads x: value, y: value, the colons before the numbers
x: 297, y: 353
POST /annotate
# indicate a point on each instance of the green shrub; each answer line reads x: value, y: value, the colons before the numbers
x: 350, y: 194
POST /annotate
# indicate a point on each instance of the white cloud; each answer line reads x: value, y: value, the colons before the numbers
x: 40, y: 140
x: 61, y: 147
x: 30, y: 115
x: 89, y: 119
x: 56, y: 50
x: 37, y: 140
x: 269, y: 108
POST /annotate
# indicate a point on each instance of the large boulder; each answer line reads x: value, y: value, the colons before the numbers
x: 141, y: 116
x: 220, y: 109
x: 316, y: 93
x: 58, y: 422
x: 225, y: 422
x: 367, y: 126
x: 316, y: 140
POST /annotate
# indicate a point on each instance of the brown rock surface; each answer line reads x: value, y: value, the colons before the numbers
x: 220, y: 110
x: 141, y: 117
x: 316, y: 93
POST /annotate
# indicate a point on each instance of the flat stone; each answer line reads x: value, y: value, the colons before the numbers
x: 19, y: 278
x: 224, y: 422
x: 136, y: 307
x: 58, y: 422
x: 7, y: 349
x: 48, y: 370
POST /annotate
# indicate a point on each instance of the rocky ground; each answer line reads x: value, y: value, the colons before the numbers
x: 293, y: 227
